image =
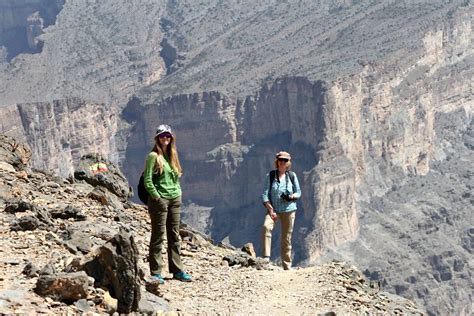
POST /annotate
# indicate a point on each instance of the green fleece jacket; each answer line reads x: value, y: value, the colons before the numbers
x: 165, y: 185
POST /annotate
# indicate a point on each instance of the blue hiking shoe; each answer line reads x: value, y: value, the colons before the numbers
x: 157, y: 278
x: 182, y: 276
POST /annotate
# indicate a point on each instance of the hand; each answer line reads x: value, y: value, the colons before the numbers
x: 273, y: 215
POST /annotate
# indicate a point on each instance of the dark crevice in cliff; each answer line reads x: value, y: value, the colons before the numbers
x: 132, y: 111
x: 19, y: 34
x: 137, y: 141
x: 171, y: 57
x: 16, y: 42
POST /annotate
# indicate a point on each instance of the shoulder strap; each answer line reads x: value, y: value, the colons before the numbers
x: 272, y: 178
x: 292, y: 179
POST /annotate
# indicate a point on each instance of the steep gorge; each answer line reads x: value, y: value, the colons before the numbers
x: 354, y: 140
x: 375, y: 152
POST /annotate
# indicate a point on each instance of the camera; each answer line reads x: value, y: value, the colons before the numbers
x: 286, y: 197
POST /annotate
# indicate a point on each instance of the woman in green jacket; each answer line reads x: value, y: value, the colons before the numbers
x: 161, y: 179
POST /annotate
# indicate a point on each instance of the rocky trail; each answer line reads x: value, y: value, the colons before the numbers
x: 52, y: 229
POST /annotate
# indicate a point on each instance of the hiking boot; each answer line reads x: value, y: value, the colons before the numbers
x: 182, y: 276
x: 157, y: 278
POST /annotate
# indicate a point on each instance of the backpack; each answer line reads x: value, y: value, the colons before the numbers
x: 291, y: 175
x: 142, y: 192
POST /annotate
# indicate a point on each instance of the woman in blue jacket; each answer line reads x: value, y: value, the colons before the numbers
x: 280, y: 193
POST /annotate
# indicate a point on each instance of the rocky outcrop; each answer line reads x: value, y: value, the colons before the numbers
x: 14, y: 153
x: 116, y: 268
x: 99, y: 171
x: 67, y: 287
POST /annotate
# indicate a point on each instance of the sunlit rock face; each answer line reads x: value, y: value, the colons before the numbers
x: 62, y: 131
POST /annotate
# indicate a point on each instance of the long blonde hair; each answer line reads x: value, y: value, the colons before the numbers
x: 172, y: 154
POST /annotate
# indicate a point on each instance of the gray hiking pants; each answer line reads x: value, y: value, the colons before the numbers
x: 165, y: 219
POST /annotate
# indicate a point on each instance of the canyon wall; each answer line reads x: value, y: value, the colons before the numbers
x: 60, y: 132
x: 355, y: 141
x: 369, y: 128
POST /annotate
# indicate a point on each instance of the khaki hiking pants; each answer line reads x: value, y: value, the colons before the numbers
x: 287, y: 220
x: 165, y: 219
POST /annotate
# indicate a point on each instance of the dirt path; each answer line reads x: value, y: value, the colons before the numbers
x: 219, y: 289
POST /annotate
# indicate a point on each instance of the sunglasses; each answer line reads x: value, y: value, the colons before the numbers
x: 283, y: 159
x: 165, y: 135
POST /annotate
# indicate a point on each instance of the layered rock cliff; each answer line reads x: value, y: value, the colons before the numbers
x: 61, y: 132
